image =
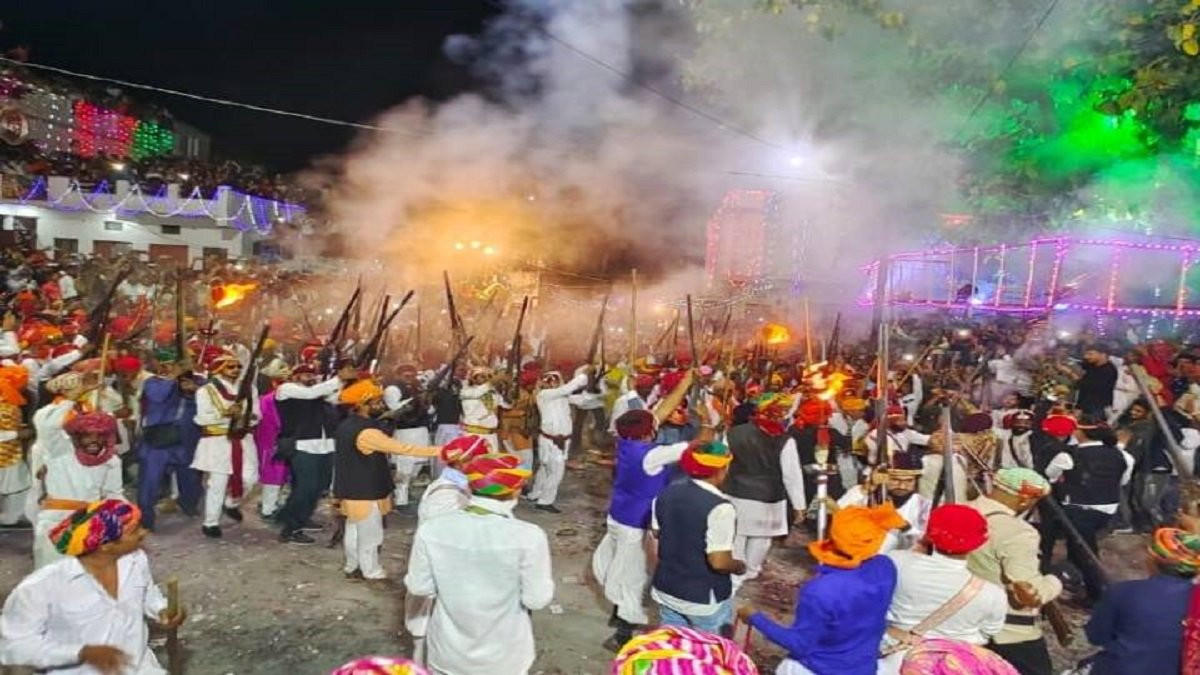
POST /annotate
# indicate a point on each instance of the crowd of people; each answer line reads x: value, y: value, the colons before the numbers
x: 933, y: 484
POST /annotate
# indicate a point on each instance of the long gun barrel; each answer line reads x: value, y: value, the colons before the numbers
x: 246, y: 388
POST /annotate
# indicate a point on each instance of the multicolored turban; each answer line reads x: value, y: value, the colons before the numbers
x: 704, y: 460
x: 956, y: 529
x: 360, y: 392
x: 65, y: 384
x: 1023, y: 482
x: 855, y: 534
x: 672, y: 650
x: 1177, y: 550
x: 464, y: 449
x: 495, y: 475
x: 88, y: 529
x: 770, y: 410
x: 380, y: 665
x: 936, y: 656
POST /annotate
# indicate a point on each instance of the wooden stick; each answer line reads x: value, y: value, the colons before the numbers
x: 631, y: 352
x: 808, y: 344
x: 174, y: 653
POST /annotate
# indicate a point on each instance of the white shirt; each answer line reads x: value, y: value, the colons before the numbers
x: 475, y: 405
x: 926, y: 582
x: 915, y: 512
x: 718, y: 536
x: 488, y: 571
x: 1063, y: 462
x: 210, y: 405
x: 555, y: 407
x: 66, y: 478
x: 61, y: 608
x: 66, y: 287
x: 52, y: 440
x: 447, y: 494
x: 328, y: 390
x: 1015, y: 451
x: 897, y: 441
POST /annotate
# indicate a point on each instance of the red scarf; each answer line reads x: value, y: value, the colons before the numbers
x: 769, y: 426
x: 236, y: 486
x: 1190, y: 659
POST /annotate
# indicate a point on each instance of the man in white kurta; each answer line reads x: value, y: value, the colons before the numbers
x: 481, y: 405
x: 554, y: 441
x: 488, y: 571
x: 901, y: 490
x: 215, y: 453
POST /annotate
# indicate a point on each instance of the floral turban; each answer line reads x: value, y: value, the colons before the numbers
x: 635, y: 424
x: 855, y: 534
x: 495, y: 475
x: 360, y: 392
x: 935, y: 656
x: 13, y: 380
x: 464, y: 449
x: 1023, y: 482
x: 956, y: 529
x: 380, y: 665
x: 65, y: 383
x: 1176, y: 550
x: 673, y: 650
x: 88, y: 529
x: 703, y: 460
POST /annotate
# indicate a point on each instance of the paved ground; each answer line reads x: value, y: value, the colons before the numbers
x: 258, y: 606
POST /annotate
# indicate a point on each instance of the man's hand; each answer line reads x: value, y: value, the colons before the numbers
x: 744, y: 612
x: 169, y: 622
x: 798, y: 516
x: 106, y: 659
x: 1021, y: 595
x: 347, y: 373
x: 235, y: 410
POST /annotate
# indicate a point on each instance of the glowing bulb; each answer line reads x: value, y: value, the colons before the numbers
x: 1063, y: 334
x: 475, y: 244
x: 184, y: 176
x: 458, y: 246
x: 909, y: 357
x: 795, y: 161
x: 488, y: 250
x: 118, y: 166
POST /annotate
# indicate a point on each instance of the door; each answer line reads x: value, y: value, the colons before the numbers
x: 169, y: 255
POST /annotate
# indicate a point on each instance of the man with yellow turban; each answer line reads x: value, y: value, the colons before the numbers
x: 841, y: 614
x: 14, y: 472
x: 488, y: 571
x: 107, y: 575
x: 362, y: 478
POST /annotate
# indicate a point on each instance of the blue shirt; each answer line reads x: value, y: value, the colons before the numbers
x: 840, y: 619
x: 1138, y: 625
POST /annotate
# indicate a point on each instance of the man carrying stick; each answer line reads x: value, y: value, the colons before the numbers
x: 58, y: 618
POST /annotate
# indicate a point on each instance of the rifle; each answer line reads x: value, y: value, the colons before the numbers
x: 514, y: 352
x: 329, y: 352
x: 436, y: 382
x: 594, y: 347
x: 372, y: 349
x: 456, y: 324
x: 1188, y: 488
x: 691, y: 329
x: 241, y: 425
x: 98, y: 318
x: 835, y: 338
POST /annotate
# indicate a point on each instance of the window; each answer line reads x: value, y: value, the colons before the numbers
x: 214, y: 253
x: 65, y: 246
x: 170, y: 229
x: 110, y: 249
x: 114, y: 225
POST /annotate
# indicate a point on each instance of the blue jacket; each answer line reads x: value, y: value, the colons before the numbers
x: 164, y: 403
x: 840, y: 619
x: 1138, y: 626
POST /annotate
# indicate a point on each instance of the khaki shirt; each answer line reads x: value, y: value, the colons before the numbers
x: 1011, y: 551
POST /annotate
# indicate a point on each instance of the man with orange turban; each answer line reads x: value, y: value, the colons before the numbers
x: 14, y: 472
x: 488, y: 571
x: 362, y: 477
x: 841, y: 614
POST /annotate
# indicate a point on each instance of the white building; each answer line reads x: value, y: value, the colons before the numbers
x: 57, y: 214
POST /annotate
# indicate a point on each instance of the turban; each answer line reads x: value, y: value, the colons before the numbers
x: 1023, y: 482
x: 704, y: 460
x: 88, y: 529
x: 406, y: 368
x: 1016, y: 416
x: 13, y: 380
x: 380, y: 665
x: 669, y: 650
x: 813, y: 412
x: 464, y: 449
x: 896, y: 411
x: 478, y: 371
x: 222, y: 359
x: 855, y: 534
x: 772, y: 405
x: 1059, y: 425
x: 127, y: 363
x: 644, y: 382
x: 550, y: 374
x: 360, y: 392
x: 935, y: 656
x: 495, y: 475
x: 278, y: 370
x: 65, y: 383
x: 527, y: 378
x: 634, y: 425
x: 166, y: 355
x: 302, y: 369
x: 270, y: 343
x: 1176, y: 550
x: 977, y: 423
x: 956, y: 529
x: 854, y: 404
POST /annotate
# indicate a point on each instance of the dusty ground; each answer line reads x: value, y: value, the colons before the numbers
x: 258, y: 606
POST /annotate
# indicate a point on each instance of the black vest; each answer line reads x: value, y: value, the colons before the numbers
x: 682, y: 511
x: 416, y: 414
x: 755, y: 472
x: 355, y: 475
x: 306, y: 419
x: 1096, y: 478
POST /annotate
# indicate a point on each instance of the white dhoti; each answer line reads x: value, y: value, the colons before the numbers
x: 552, y: 464
x: 361, y: 544
x: 757, y: 524
x: 214, y: 457
x: 619, y: 564
x: 790, y: 667
x: 408, y: 467
x: 15, y: 482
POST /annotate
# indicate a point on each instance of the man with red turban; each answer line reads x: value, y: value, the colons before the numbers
x: 71, y: 481
x: 937, y: 577
x: 14, y: 472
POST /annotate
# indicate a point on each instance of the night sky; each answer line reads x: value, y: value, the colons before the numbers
x: 346, y: 59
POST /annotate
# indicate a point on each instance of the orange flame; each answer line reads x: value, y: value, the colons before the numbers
x: 231, y: 294
x: 775, y: 334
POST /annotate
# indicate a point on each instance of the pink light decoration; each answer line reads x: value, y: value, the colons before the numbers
x: 1181, y: 290
x: 1113, y: 274
x: 1033, y: 247
x: 1000, y: 276
x: 1060, y: 251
